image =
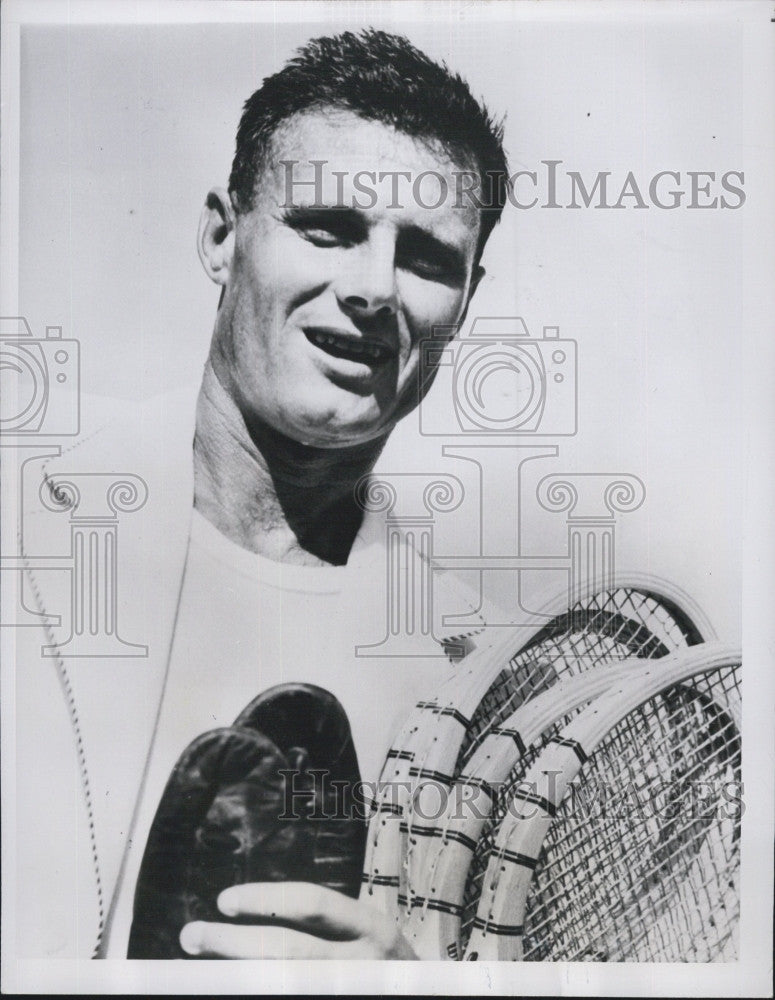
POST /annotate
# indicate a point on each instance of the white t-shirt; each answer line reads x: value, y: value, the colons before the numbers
x: 246, y: 623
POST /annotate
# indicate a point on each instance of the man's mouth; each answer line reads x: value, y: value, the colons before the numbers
x: 351, y: 348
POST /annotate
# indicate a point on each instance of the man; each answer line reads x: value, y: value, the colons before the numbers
x: 326, y: 297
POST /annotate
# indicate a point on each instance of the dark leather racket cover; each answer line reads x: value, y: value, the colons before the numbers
x: 242, y: 806
x: 336, y: 817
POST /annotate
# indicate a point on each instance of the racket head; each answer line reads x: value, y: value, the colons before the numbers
x: 653, y: 876
x: 445, y: 858
x: 639, y: 616
x: 640, y: 619
x: 452, y: 839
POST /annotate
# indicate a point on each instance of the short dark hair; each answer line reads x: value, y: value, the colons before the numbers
x: 381, y: 77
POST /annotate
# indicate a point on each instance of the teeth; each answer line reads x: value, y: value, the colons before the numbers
x: 353, y: 347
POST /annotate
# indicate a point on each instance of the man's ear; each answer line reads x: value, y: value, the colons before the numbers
x: 215, y: 239
x: 476, y: 277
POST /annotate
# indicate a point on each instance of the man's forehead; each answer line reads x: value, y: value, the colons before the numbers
x: 351, y: 160
x: 328, y: 131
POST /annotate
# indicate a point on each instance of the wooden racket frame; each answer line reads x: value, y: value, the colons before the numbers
x: 428, y: 744
x: 431, y: 917
x: 497, y: 931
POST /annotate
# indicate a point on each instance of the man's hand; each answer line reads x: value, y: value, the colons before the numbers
x: 295, y: 920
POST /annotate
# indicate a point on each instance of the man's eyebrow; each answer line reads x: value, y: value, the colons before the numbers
x: 428, y: 242
x: 324, y: 215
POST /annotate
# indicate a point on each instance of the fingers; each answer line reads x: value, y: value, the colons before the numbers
x: 295, y: 920
x: 310, y: 908
x: 238, y: 941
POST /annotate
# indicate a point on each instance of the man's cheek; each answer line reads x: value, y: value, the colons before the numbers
x: 440, y: 306
x: 300, y: 266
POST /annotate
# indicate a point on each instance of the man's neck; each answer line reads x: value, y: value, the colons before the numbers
x: 270, y: 494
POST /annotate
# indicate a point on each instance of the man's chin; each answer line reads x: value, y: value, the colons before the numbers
x: 331, y: 433
x: 336, y: 420
x: 344, y: 438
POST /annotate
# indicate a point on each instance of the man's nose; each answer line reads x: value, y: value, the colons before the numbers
x: 366, y: 286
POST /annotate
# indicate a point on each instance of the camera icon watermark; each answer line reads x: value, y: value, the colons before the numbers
x: 504, y: 382
x: 40, y: 380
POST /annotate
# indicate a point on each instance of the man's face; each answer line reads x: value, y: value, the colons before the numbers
x: 324, y: 308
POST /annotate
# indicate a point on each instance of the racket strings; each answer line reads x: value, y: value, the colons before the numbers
x: 644, y: 865
x: 634, y: 877
x: 610, y: 627
x: 678, y: 934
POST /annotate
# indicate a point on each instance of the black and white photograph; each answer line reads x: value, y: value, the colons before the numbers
x: 386, y: 438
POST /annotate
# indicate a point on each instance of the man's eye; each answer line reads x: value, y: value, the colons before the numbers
x: 431, y: 268
x: 322, y: 237
x: 322, y: 229
x: 427, y: 266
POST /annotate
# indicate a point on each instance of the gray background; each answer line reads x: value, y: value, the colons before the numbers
x: 124, y: 129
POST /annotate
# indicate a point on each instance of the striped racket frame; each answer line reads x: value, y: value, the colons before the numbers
x: 500, y: 920
x: 439, y: 870
x: 428, y: 749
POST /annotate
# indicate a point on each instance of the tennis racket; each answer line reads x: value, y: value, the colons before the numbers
x: 639, y: 618
x: 622, y: 842
x: 450, y: 842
